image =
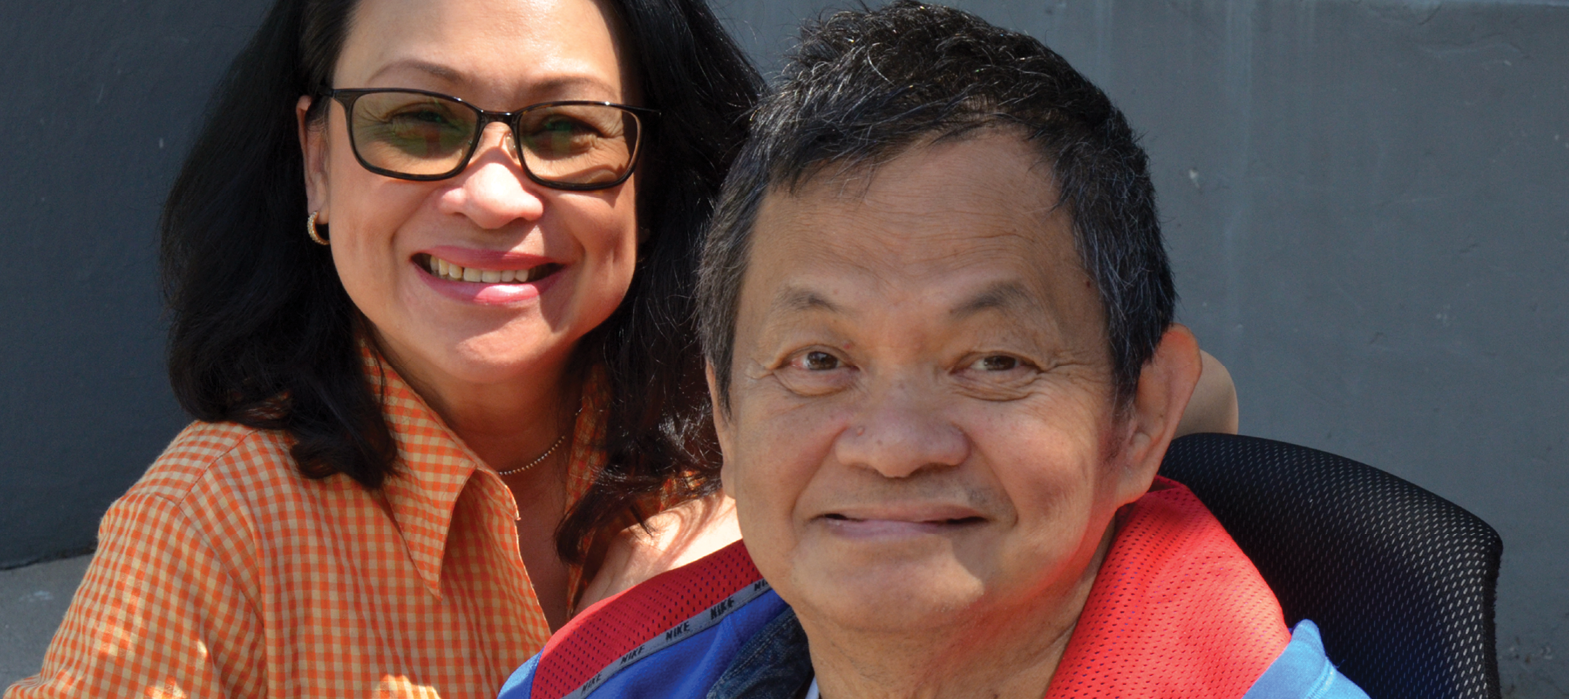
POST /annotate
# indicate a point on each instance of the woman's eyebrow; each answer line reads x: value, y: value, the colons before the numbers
x: 453, y: 77
x: 566, y: 84
x: 444, y: 73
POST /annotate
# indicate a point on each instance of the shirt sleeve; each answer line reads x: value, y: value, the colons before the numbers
x: 1303, y: 671
x: 157, y: 615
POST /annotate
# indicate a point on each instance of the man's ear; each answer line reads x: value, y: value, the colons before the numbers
x: 313, y: 146
x: 1165, y: 384
x: 722, y: 428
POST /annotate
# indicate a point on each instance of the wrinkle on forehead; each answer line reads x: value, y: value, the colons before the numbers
x: 900, y: 245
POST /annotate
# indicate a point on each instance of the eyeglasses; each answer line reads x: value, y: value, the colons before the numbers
x: 418, y: 135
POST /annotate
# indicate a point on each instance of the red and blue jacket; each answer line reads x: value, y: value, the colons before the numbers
x: 1176, y: 610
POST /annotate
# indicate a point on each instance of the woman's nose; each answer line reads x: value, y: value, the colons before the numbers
x: 898, y: 431
x: 493, y: 190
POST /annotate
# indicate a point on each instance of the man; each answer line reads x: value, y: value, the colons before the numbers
x: 938, y: 318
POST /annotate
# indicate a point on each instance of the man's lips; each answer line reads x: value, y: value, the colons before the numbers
x: 880, y: 522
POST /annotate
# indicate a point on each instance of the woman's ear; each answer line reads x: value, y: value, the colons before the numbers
x: 313, y: 146
x: 1165, y: 384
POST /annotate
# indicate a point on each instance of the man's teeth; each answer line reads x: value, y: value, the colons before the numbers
x: 459, y: 273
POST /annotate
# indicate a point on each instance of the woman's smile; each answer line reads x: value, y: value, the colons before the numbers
x: 452, y: 271
x: 487, y: 277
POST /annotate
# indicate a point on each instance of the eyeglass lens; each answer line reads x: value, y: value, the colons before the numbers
x: 425, y: 136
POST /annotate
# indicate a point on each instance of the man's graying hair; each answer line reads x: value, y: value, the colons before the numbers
x: 864, y: 86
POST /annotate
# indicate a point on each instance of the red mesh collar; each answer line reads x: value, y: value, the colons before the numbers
x: 1177, y: 610
x: 601, y: 634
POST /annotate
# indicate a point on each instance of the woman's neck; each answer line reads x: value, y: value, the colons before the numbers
x: 506, y: 423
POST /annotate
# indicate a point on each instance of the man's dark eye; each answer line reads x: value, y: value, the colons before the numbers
x: 997, y: 362
x: 819, y: 361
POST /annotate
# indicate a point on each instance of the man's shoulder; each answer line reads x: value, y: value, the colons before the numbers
x: 670, y: 636
x: 1193, y: 579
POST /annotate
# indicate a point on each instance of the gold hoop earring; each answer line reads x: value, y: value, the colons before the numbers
x: 310, y: 229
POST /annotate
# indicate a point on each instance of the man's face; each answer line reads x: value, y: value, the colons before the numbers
x: 922, y: 421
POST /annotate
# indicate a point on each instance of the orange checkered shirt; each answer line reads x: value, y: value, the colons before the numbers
x: 224, y: 573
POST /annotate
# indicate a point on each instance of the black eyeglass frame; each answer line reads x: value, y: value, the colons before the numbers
x: 513, y: 119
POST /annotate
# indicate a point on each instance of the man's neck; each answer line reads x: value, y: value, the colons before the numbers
x: 853, y: 666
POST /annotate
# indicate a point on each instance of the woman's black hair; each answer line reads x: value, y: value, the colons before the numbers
x: 264, y: 335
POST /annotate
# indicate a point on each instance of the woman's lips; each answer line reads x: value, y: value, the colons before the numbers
x: 503, y: 280
x: 443, y: 268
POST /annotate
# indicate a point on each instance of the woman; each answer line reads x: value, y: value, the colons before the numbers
x: 429, y: 270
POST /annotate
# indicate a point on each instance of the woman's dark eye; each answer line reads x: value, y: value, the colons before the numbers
x: 818, y: 361
x: 426, y: 116
x: 563, y: 124
x: 560, y: 137
x: 996, y: 362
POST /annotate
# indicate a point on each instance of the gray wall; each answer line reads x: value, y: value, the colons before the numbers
x: 101, y: 100
x: 1366, y: 203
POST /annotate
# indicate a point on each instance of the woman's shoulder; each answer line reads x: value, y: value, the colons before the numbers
x: 210, y: 457
x: 673, y: 538
x: 226, y: 472
x: 234, y: 488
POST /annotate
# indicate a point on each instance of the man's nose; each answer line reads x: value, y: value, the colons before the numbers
x: 900, y: 429
x: 494, y: 191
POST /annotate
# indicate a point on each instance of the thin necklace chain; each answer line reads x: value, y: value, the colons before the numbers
x: 559, y: 441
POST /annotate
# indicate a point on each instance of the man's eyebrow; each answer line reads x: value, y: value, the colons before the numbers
x: 1008, y: 297
x: 794, y: 299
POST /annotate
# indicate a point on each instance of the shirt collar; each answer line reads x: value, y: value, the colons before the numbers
x: 435, y: 465
x: 775, y: 663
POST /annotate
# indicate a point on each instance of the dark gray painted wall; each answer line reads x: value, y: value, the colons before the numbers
x: 101, y: 99
x: 1366, y: 203
x: 1368, y: 208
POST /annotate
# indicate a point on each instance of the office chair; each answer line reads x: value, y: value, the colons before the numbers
x: 1400, y: 581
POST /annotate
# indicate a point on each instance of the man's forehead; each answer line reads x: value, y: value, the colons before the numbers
x: 905, y: 177
x: 938, y: 209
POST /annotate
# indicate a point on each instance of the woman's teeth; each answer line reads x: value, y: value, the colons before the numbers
x: 458, y: 273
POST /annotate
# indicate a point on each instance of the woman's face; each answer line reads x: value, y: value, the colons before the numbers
x: 574, y: 251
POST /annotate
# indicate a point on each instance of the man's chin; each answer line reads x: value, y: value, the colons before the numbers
x: 885, y: 598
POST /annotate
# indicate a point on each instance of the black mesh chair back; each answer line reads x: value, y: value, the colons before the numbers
x: 1400, y: 581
